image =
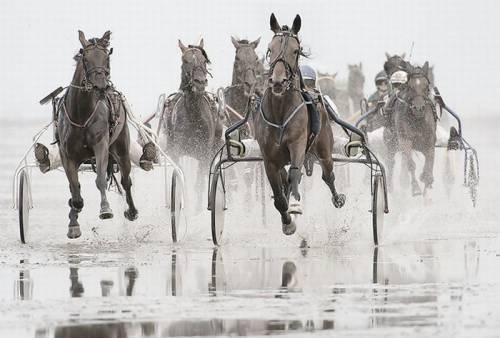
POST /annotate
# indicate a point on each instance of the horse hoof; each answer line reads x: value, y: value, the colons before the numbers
x: 416, y: 191
x: 74, y: 231
x: 106, y: 213
x: 131, y: 215
x: 339, y: 201
x: 289, y: 229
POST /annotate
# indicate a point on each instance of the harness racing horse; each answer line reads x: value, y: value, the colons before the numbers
x: 92, y: 122
x: 282, y: 127
x: 414, y: 120
x: 346, y: 99
x: 355, y: 86
x: 193, y: 126
x: 247, y: 81
x: 395, y: 63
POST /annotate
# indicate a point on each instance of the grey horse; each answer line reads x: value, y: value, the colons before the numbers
x: 193, y: 126
x: 247, y: 81
x: 414, y: 121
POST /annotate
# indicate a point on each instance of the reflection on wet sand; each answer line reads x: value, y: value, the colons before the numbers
x: 343, y: 288
x: 23, y: 286
x: 184, y: 328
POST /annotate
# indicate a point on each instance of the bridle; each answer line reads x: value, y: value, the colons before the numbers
x: 291, y: 72
x: 409, y: 102
x: 189, y: 74
x: 88, y: 71
x: 242, y: 72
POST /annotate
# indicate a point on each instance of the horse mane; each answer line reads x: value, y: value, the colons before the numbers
x: 203, y: 52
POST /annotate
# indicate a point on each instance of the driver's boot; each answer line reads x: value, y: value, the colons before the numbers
x: 454, y: 141
x: 148, y: 156
x: 42, y: 157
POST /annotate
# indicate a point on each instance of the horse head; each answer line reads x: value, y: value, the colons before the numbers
x: 194, y: 67
x: 395, y: 63
x: 418, y: 90
x: 247, y: 68
x: 356, y: 80
x: 283, y: 54
x: 95, y: 59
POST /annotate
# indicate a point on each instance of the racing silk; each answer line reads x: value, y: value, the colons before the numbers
x: 376, y: 97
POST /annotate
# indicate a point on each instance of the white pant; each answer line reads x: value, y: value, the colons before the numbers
x: 135, y: 152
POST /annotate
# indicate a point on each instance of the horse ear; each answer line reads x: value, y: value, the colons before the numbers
x: 387, y: 55
x: 335, y: 75
x: 105, y: 39
x: 403, y: 56
x: 297, y: 22
x: 202, y: 43
x: 181, y: 46
x: 255, y: 43
x: 425, y: 68
x: 360, y: 65
x: 275, y: 26
x: 235, y: 42
x: 83, y: 40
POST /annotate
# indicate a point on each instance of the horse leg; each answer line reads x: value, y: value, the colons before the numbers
x: 124, y: 163
x: 280, y: 201
x: 200, y: 179
x: 297, y: 155
x: 324, y: 155
x: 76, y: 200
x: 410, y: 163
x: 101, y: 153
x: 427, y: 176
x: 390, y: 143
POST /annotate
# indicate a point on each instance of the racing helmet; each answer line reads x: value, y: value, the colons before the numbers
x: 381, y: 76
x: 399, y: 77
x: 308, y: 72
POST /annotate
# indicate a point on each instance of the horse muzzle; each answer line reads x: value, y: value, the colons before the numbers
x: 278, y: 88
x: 199, y: 85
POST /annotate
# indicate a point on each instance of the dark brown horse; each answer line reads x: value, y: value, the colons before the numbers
x: 395, y: 63
x: 92, y: 123
x: 282, y: 127
x: 414, y: 122
x: 193, y: 125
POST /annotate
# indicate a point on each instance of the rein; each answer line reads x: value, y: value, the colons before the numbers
x: 281, y: 127
x: 189, y: 75
x: 290, y: 72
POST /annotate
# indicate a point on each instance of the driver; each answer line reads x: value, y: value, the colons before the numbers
x: 382, y: 84
x: 308, y: 84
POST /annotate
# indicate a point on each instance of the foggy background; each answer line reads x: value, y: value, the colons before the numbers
x: 39, y: 39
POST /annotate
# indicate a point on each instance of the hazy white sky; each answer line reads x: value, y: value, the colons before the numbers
x: 39, y: 38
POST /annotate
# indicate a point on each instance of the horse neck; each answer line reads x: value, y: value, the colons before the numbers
x: 80, y: 103
x: 278, y: 107
x: 237, y: 98
x: 235, y: 76
x: 352, y: 90
x: 193, y: 103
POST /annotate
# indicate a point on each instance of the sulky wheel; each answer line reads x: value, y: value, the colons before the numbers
x: 176, y: 193
x: 218, y: 207
x: 378, y: 208
x: 23, y: 205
